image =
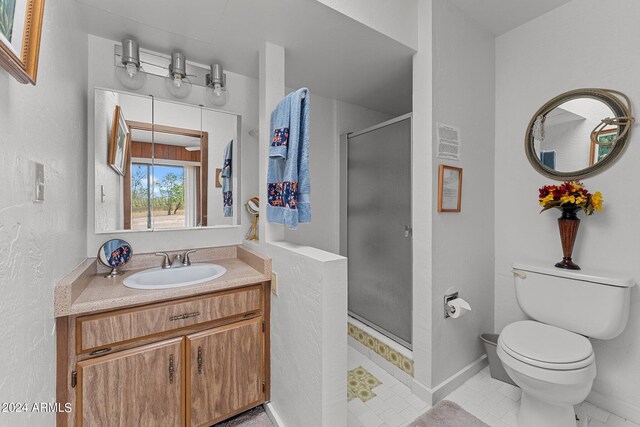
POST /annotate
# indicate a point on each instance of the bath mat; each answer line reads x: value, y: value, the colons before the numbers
x: 255, y: 417
x: 447, y: 414
x: 360, y: 383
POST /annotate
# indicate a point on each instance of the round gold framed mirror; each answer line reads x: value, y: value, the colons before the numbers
x: 579, y: 133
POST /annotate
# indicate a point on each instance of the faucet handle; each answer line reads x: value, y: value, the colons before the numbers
x: 166, y: 263
x: 186, y: 261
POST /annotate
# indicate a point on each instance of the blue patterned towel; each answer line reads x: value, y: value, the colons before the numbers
x: 288, y: 176
x: 225, y: 174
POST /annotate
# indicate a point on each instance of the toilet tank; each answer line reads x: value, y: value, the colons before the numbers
x: 590, y: 303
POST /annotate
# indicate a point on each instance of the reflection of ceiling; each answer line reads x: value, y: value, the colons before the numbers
x: 164, y: 138
x: 328, y: 52
x: 559, y: 116
x: 500, y: 16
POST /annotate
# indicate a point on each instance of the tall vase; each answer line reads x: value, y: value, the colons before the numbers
x: 568, y: 224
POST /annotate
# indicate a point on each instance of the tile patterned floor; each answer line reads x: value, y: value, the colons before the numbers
x: 494, y: 402
x: 360, y: 384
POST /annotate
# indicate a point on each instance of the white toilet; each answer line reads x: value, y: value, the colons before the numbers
x: 550, y: 357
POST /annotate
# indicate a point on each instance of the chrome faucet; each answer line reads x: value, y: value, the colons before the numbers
x: 166, y: 262
x: 178, y: 260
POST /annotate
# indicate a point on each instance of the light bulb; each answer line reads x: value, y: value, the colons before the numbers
x: 177, y: 86
x: 217, y: 95
x: 131, y: 76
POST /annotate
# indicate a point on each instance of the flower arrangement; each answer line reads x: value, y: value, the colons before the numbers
x: 570, y: 194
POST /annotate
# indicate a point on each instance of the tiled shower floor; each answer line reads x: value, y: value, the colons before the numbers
x: 494, y: 402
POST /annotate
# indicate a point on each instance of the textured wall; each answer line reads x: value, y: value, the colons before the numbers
x: 308, y: 336
x: 40, y: 242
x: 567, y: 38
x: 463, y: 243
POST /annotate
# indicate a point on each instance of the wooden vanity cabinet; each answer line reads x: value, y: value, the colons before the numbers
x: 137, y: 387
x: 224, y: 372
x: 193, y: 370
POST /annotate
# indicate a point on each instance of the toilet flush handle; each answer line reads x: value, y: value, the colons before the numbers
x: 520, y: 274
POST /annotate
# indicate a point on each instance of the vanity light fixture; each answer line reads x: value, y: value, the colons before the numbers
x: 177, y: 83
x: 131, y: 75
x: 216, y: 92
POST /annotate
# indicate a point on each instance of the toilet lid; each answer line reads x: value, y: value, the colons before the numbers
x: 546, y: 346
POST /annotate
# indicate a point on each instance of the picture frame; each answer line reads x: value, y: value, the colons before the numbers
x: 119, y: 142
x: 598, y: 152
x: 20, y: 34
x: 449, y: 189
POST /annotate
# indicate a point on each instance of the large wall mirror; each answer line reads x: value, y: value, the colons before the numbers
x: 578, y: 133
x: 163, y: 165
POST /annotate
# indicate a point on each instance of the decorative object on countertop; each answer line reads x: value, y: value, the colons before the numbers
x: 288, y: 176
x: 579, y: 133
x: 226, y: 175
x: 113, y: 254
x: 20, y: 31
x: 253, y: 207
x: 569, y: 197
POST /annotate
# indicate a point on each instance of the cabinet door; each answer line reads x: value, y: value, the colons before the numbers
x: 137, y: 387
x: 224, y: 371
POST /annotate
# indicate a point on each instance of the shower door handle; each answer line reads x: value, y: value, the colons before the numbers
x: 408, y: 231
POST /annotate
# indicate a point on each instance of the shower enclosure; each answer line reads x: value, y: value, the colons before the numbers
x: 376, y: 226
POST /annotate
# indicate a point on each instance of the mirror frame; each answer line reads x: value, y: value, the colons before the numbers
x: 611, y: 98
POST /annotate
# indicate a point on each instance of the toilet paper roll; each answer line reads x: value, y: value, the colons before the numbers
x: 457, y: 307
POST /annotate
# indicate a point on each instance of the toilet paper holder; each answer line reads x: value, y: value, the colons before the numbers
x: 447, y: 298
x: 454, y: 306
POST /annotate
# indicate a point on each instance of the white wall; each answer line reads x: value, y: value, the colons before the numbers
x: 329, y: 119
x: 109, y: 210
x: 243, y: 100
x: 393, y: 18
x: 40, y: 242
x: 463, y: 243
x: 534, y: 63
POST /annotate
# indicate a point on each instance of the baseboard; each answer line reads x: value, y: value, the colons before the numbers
x: 273, y: 414
x: 615, y: 406
x: 437, y: 393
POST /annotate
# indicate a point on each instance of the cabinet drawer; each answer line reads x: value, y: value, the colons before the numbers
x: 116, y: 327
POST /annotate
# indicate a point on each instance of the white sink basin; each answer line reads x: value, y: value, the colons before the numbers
x: 175, y: 277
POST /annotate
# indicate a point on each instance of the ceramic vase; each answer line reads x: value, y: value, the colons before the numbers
x: 568, y: 224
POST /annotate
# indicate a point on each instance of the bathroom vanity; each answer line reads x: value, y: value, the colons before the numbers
x: 190, y: 356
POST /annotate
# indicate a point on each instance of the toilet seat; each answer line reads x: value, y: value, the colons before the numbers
x: 545, y: 346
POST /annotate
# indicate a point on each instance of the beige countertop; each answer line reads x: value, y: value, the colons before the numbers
x: 85, y: 290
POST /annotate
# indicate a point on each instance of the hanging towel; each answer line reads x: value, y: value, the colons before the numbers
x: 288, y: 176
x: 225, y: 174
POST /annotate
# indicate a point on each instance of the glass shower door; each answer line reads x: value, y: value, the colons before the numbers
x: 379, y: 228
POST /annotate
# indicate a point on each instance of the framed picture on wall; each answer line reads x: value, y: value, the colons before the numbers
x: 20, y: 30
x: 449, y: 189
x: 119, y: 143
x: 600, y: 151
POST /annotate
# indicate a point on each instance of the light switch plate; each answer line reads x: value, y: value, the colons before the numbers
x: 274, y: 283
x: 39, y: 182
